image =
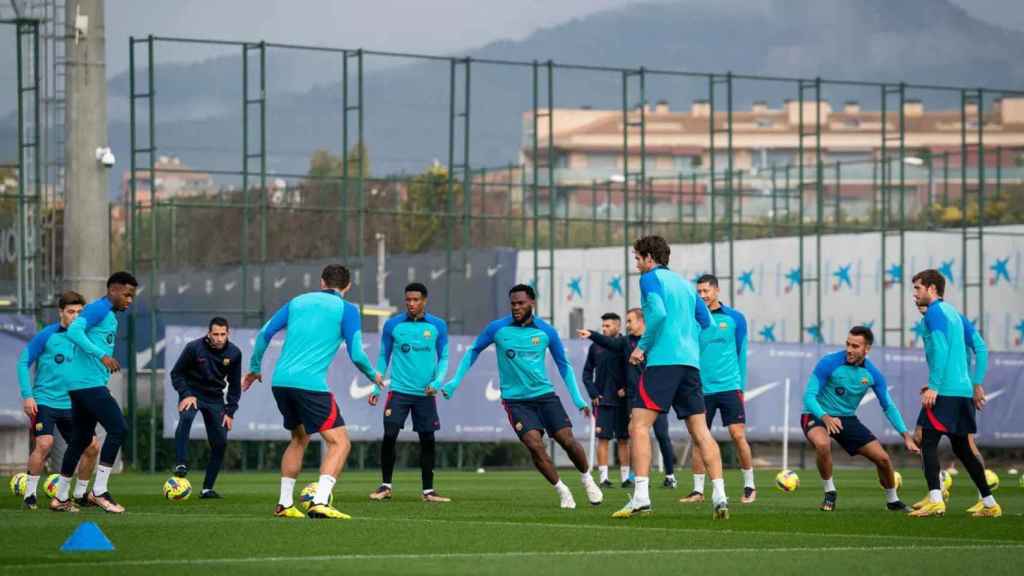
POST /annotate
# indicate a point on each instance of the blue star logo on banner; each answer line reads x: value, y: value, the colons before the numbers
x: 1020, y: 333
x: 616, y: 287
x: 895, y: 274
x: 746, y: 281
x: 1000, y: 270
x: 768, y: 332
x: 815, y: 333
x: 574, y: 287
x: 794, y: 278
x: 947, y: 270
x: 869, y: 324
x: 842, y: 276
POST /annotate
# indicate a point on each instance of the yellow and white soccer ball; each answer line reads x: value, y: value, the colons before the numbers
x: 177, y: 488
x: 309, y: 493
x: 992, y: 479
x: 50, y: 487
x: 787, y: 481
x: 898, y: 478
x: 947, y: 480
x: 19, y: 484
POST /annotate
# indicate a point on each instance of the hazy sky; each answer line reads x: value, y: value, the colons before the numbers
x: 437, y: 26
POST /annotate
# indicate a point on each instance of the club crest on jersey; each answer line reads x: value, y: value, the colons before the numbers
x: 864, y: 380
x: 427, y: 334
x: 598, y: 429
x: 39, y: 426
x: 535, y: 340
x: 723, y: 325
x: 519, y: 426
x: 59, y: 358
x: 227, y: 361
x: 387, y: 412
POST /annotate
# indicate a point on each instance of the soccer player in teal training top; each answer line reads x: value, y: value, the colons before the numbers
x: 94, y: 332
x: 834, y: 391
x: 527, y: 393
x: 317, y: 323
x: 45, y: 399
x: 977, y: 349
x: 948, y: 400
x: 415, y: 344
x: 674, y: 316
x: 723, y: 377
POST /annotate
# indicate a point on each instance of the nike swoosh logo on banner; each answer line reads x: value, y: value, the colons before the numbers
x: 230, y: 286
x: 435, y: 274
x: 280, y: 282
x: 996, y: 394
x: 357, y: 392
x: 183, y: 288
x: 492, y: 271
x: 491, y: 393
x: 755, y: 392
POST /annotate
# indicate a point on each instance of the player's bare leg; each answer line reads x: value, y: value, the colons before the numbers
x: 822, y: 442
x: 338, y: 447
x: 696, y: 496
x: 703, y: 441
x: 622, y: 450
x: 874, y: 452
x: 602, y: 460
x: 578, y: 456
x: 738, y: 433
x: 640, y: 423
x: 534, y: 442
x: 291, y: 466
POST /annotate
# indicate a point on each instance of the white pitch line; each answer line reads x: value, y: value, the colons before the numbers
x: 492, y: 555
x: 627, y: 525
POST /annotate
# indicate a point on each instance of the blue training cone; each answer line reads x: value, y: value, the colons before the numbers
x: 87, y: 538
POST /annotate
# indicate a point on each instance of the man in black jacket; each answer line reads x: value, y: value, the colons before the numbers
x: 623, y: 347
x: 205, y: 367
x: 605, y: 379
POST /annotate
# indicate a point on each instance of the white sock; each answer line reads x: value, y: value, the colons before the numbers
x: 671, y: 477
x: 891, y: 496
x: 63, y: 487
x: 561, y: 488
x: 748, y: 478
x: 830, y: 486
x: 33, y: 483
x: 624, y: 473
x: 324, y: 487
x: 81, y: 486
x: 989, y: 501
x: 102, y: 475
x: 287, y: 489
x: 718, y: 490
x: 586, y: 478
x: 698, y: 483
x: 642, y: 492
x: 604, y: 472
x: 386, y: 485
x: 935, y: 496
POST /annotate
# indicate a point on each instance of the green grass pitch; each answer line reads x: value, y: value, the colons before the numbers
x: 509, y: 523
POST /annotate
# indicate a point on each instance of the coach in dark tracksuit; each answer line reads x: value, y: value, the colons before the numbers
x: 605, y: 379
x: 623, y: 347
x: 205, y: 367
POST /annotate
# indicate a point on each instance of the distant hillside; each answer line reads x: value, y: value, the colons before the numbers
x: 921, y: 41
